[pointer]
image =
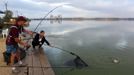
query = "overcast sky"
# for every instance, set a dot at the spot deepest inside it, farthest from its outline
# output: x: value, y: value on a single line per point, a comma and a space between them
x: 71, y: 8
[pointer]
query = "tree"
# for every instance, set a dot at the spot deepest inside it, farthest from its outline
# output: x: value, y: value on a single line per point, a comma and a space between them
x: 8, y: 16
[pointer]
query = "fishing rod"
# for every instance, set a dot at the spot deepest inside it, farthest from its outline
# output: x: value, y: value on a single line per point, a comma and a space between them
x: 46, y: 16
x: 78, y: 61
x: 44, y: 19
x: 41, y: 22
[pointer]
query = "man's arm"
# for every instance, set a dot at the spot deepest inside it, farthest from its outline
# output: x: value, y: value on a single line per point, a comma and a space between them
x: 36, y: 38
x: 20, y: 42
x: 46, y: 41
x: 28, y: 31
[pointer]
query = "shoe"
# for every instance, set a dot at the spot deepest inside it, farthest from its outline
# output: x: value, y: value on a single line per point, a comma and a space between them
x: 23, y: 65
x: 15, y: 71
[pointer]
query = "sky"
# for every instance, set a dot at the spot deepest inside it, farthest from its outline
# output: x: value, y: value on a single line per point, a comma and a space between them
x: 71, y: 8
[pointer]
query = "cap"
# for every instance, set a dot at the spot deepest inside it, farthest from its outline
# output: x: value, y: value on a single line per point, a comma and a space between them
x: 21, y: 18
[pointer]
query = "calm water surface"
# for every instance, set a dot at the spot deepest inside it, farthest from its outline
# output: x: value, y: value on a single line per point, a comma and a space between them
x: 96, y: 42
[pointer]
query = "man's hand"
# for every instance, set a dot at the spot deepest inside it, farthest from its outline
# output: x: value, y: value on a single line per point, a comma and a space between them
x: 51, y: 46
x: 24, y: 35
x: 25, y: 44
x: 28, y: 46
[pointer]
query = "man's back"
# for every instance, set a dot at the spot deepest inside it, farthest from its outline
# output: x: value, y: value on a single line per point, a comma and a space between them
x: 13, y: 33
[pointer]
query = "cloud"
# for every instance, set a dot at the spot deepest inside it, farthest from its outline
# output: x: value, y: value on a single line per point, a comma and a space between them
x: 73, y: 8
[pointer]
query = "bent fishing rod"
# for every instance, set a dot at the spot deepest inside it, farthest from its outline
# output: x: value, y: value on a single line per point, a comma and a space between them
x: 77, y: 57
x: 44, y: 19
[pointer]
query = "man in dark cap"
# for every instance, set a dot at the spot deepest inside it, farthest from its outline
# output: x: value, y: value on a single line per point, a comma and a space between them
x: 13, y: 40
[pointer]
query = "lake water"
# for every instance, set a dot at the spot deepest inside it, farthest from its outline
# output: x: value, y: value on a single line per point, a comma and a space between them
x: 98, y: 43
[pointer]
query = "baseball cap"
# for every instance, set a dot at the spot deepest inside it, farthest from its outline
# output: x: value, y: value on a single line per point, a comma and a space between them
x: 21, y: 18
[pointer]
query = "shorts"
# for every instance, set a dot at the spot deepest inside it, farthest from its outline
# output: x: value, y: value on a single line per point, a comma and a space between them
x: 11, y: 48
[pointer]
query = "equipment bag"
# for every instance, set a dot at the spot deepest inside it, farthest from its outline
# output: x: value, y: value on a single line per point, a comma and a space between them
x: 7, y: 56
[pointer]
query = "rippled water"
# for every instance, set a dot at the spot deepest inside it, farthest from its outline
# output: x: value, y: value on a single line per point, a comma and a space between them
x: 98, y: 43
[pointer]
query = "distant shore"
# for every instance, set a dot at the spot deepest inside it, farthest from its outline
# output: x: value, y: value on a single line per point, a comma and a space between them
x: 82, y: 18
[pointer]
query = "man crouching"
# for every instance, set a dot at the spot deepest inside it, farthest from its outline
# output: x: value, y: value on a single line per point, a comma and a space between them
x: 39, y: 39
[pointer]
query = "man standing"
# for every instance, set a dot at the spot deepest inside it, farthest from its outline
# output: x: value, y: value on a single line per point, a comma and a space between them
x: 39, y: 39
x: 13, y: 40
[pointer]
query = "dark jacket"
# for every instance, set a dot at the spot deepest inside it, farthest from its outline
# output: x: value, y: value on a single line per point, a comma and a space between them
x: 37, y: 42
